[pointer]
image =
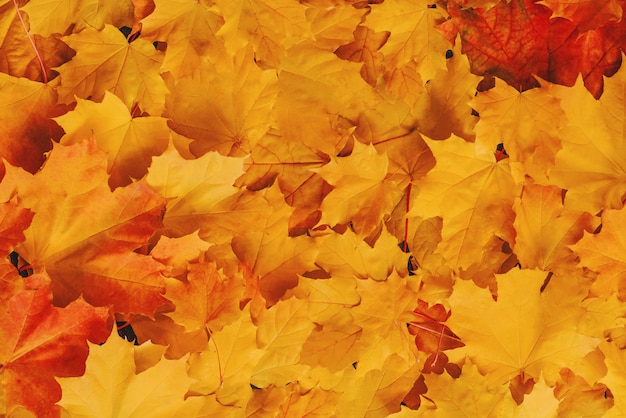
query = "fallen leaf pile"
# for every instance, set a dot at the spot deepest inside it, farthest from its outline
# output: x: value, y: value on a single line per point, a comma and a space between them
x: 312, y: 208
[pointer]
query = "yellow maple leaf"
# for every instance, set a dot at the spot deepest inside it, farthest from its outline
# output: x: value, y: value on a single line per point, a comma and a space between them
x: 107, y: 62
x: 331, y: 26
x: 362, y: 197
x: 527, y: 123
x: 443, y: 108
x: 201, y: 196
x: 281, y: 331
x: 189, y: 28
x: 604, y: 253
x: 327, y: 297
x: 110, y: 387
x: 579, y: 398
x: 472, y: 193
x: 540, y: 403
x: 525, y: 332
x: 379, y: 392
x: 614, y: 379
x: 234, y: 117
x: 271, y: 254
x: 383, y: 313
x: 129, y: 142
x: 544, y: 229
x: 345, y: 255
x: 414, y: 38
x: 269, y: 27
x: 468, y: 397
x: 56, y: 16
x: 591, y: 164
x: 227, y: 364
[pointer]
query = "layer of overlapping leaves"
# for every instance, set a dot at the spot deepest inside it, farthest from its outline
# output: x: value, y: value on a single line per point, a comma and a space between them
x: 313, y: 208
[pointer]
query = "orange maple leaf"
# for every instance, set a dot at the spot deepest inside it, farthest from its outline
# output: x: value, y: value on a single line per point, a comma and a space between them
x: 25, y: 103
x: 84, y: 235
x: 207, y: 300
x: 41, y: 341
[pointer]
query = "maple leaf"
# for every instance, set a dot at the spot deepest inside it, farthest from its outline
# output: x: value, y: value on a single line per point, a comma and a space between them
x: 25, y: 103
x: 507, y: 41
x: 345, y: 255
x: 541, y: 402
x: 327, y: 297
x: 545, y: 230
x: 41, y: 341
x: 111, y: 388
x: 226, y: 366
x: 13, y: 221
x: 176, y: 253
x: 201, y: 196
x: 468, y: 396
x: 164, y: 331
x: 383, y: 316
x: 579, y: 398
x: 472, y: 193
x: 431, y: 335
x: 362, y: 198
x: 414, y: 37
x: 332, y: 346
x: 589, y: 166
x: 57, y: 16
x: 616, y: 364
x: 233, y: 117
x: 603, y: 316
x: 364, y: 49
x: 290, y: 164
x: 376, y: 393
x: 443, y: 108
x: 506, y: 339
x: 106, y: 61
x: 26, y: 54
x: 129, y: 142
x: 602, y: 253
x: 189, y: 28
x: 586, y: 15
x: 527, y: 123
x: 281, y: 332
x: 272, y: 255
x: 331, y: 26
x: 206, y: 300
x: 269, y: 28
x: 84, y: 235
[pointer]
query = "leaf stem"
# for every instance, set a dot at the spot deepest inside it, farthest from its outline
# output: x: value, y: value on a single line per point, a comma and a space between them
x: 406, y: 221
x: 438, y: 346
x: 217, y: 352
x: 32, y: 42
